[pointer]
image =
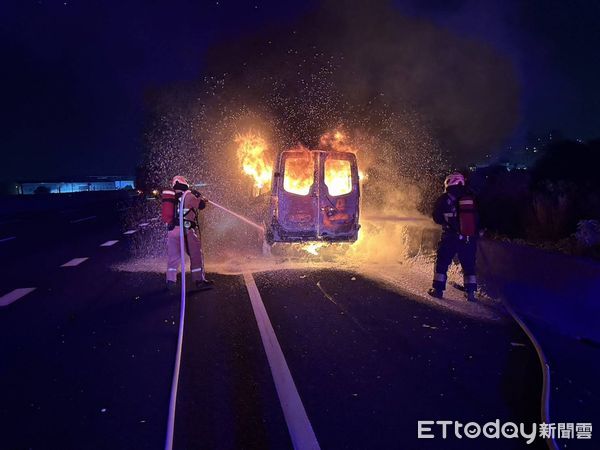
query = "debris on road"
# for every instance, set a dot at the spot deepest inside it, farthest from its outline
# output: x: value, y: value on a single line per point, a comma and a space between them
x: 327, y: 296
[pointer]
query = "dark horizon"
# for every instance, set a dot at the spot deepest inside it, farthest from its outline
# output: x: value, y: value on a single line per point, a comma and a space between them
x: 80, y: 73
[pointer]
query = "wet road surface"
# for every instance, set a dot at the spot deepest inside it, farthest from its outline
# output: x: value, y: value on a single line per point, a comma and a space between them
x: 87, y: 357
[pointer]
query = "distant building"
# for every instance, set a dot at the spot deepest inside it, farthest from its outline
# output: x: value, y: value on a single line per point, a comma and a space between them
x: 83, y: 184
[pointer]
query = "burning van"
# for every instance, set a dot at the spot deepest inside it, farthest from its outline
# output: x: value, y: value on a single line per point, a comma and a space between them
x: 315, y: 196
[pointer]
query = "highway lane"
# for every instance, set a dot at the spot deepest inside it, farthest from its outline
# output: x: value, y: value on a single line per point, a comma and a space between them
x: 227, y: 398
x: 87, y: 357
x: 370, y: 363
x: 36, y: 234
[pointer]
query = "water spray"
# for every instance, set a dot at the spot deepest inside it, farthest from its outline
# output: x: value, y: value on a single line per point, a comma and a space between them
x: 242, y: 218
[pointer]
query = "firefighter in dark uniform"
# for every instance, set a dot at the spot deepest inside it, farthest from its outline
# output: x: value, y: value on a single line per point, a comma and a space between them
x: 455, y: 211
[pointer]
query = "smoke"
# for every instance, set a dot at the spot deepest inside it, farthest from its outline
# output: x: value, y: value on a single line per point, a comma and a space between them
x: 422, y: 93
x: 365, y: 64
x: 413, y: 98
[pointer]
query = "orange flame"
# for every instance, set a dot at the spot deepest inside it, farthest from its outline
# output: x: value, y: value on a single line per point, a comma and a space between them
x: 299, y: 172
x: 299, y: 169
x: 252, y: 154
x: 338, y: 141
x: 338, y: 176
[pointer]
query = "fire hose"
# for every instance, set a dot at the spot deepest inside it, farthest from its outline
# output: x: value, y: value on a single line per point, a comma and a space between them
x: 175, y: 381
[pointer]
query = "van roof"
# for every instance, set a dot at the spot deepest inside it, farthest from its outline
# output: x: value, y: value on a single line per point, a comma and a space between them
x: 316, y: 151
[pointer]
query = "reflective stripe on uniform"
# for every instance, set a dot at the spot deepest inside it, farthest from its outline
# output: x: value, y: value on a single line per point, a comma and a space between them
x: 439, y: 277
x: 466, y: 202
x: 470, y: 279
x: 446, y: 215
x: 197, y: 270
x: 171, y: 270
x: 169, y: 192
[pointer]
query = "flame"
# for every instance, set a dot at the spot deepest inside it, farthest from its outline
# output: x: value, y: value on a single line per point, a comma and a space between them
x: 299, y: 169
x: 299, y: 172
x: 313, y: 248
x: 255, y: 163
x: 337, y: 173
x: 338, y: 176
x: 336, y: 140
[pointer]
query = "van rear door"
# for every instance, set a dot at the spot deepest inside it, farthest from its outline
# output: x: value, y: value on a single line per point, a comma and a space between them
x: 298, y: 208
x: 339, y: 196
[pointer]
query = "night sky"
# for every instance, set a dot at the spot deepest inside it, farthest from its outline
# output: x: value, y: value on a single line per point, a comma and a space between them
x: 75, y: 73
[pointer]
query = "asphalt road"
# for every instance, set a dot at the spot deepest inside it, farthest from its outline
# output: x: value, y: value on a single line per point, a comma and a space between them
x: 87, y: 357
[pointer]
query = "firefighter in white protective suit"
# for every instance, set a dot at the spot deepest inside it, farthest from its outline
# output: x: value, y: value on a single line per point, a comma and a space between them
x: 194, y: 202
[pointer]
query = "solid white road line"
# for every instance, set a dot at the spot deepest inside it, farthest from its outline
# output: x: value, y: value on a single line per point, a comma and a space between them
x: 74, y: 262
x: 14, y: 295
x: 130, y: 232
x: 8, y: 239
x: 83, y: 219
x: 301, y: 431
x: 109, y: 243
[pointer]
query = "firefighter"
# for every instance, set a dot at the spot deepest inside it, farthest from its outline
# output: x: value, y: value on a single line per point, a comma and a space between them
x: 194, y: 202
x: 455, y: 211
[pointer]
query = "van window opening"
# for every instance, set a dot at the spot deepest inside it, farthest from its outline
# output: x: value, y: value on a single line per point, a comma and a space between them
x: 338, y: 176
x: 298, y: 174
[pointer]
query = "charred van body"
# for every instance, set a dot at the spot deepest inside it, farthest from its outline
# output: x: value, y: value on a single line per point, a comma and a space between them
x: 315, y: 197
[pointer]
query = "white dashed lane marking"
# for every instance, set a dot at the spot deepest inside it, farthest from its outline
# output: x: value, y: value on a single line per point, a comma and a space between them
x: 154, y: 219
x: 14, y: 295
x: 7, y: 239
x: 83, y: 219
x: 301, y: 431
x: 109, y: 243
x: 145, y: 224
x: 74, y: 262
x: 130, y: 232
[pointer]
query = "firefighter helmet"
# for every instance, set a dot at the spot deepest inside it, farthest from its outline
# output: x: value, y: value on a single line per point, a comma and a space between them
x: 179, y: 180
x: 454, y: 179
